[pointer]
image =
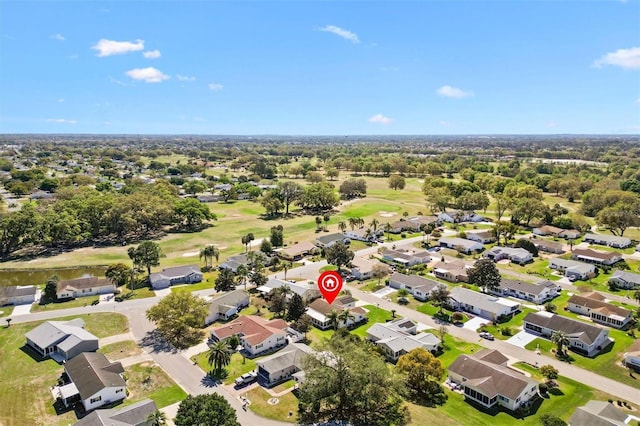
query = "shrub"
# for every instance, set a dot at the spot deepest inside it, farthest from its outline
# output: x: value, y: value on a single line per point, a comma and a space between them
x: 551, y: 420
x: 457, y: 317
x: 550, y: 307
x: 506, y: 331
x: 403, y: 235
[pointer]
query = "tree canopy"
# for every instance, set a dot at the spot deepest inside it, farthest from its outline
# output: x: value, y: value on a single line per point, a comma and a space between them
x: 207, y: 409
x: 484, y: 273
x: 179, y: 318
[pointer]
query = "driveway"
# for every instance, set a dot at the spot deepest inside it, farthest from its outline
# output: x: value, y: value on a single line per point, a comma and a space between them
x: 384, y: 292
x: 107, y: 298
x: 163, y: 293
x: 21, y: 310
x: 522, y: 339
x: 475, y: 323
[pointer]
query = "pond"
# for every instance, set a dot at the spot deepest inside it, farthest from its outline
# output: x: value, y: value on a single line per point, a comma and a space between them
x: 10, y: 277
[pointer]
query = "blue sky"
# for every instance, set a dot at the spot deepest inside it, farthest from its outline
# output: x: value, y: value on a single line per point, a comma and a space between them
x: 320, y: 68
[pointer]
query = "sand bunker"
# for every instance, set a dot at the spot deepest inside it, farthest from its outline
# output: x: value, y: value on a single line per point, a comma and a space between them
x: 386, y: 214
x: 190, y: 253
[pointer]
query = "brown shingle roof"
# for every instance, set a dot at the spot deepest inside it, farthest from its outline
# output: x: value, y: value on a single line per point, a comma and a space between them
x: 92, y: 372
x: 603, y: 308
x: 596, y: 254
x: 80, y: 283
x: 253, y: 329
x: 585, y: 332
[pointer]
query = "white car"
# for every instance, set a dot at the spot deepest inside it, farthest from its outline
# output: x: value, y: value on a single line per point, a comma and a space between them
x: 246, y: 378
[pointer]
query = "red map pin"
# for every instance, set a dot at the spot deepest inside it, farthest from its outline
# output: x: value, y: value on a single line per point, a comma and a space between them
x: 330, y: 284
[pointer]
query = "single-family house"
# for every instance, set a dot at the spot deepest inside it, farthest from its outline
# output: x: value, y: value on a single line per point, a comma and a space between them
x: 539, y: 292
x: 454, y: 271
x: 400, y: 336
x: 226, y: 306
x: 177, y: 275
x: 298, y: 251
x: 307, y: 290
x: 483, y: 236
x: 461, y: 244
x: 482, y: 304
x: 319, y: 311
x: 233, y: 262
x: 17, y: 295
x: 625, y: 279
x: 419, y: 287
x: 363, y: 234
x: 326, y: 241
x: 585, y: 338
x: 593, y: 305
x: 569, y: 234
x: 547, y: 230
x: 600, y: 413
x: 607, y: 240
x: 486, y: 379
x: 362, y: 268
x: 516, y: 255
x: 458, y: 216
x: 61, y: 340
x: 547, y: 246
x: 412, y: 224
x: 632, y: 359
x: 406, y: 257
x: 572, y: 269
x: 93, y: 380
x: 281, y: 366
x: 132, y: 415
x: 596, y: 256
x: 81, y: 287
x: 257, y: 335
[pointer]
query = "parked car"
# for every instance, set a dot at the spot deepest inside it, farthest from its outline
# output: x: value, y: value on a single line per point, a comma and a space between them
x: 246, y: 378
x: 487, y: 336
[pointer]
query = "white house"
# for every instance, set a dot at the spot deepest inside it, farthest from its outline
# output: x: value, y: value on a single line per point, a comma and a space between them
x: 82, y: 287
x: 625, y: 279
x: 632, y: 359
x: 486, y: 379
x: 593, y: 305
x: 596, y: 256
x: 226, y: 306
x: 61, y: 340
x: 177, y: 275
x: 547, y: 230
x: 419, y: 287
x: 131, y: 415
x: 281, y: 366
x: 362, y: 268
x: 363, y: 234
x: 297, y: 251
x: 584, y: 338
x: 461, y: 244
x: 454, y: 271
x: 326, y: 241
x: 319, y: 312
x: 481, y: 304
x: 608, y: 240
x: 572, y: 269
x: 307, y: 290
x: 257, y: 335
x: 516, y: 255
x: 483, y: 236
x: 601, y: 413
x: 94, y: 380
x: 17, y: 295
x: 539, y: 292
x: 400, y: 336
x: 406, y: 257
x: 457, y: 216
x: 547, y: 246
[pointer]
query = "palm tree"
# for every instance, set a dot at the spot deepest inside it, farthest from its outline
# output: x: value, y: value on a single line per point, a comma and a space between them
x: 219, y: 355
x: 157, y: 418
x: 342, y: 226
x: 334, y: 318
x: 367, y: 234
x: 209, y: 252
x: 286, y: 266
x: 326, y: 219
x: 636, y: 295
x: 131, y: 251
x: 374, y: 224
x: 561, y: 340
x: 242, y: 272
x: 345, y: 316
x: 353, y: 221
x: 360, y: 222
x: 387, y: 229
x: 318, y: 222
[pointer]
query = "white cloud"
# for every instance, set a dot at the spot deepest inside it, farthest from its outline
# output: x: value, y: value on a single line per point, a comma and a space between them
x: 148, y: 75
x: 58, y: 36
x: 379, y: 118
x: 111, y: 47
x: 215, y: 87
x: 152, y: 54
x: 552, y: 124
x: 625, y: 58
x: 61, y: 121
x: 453, y: 92
x: 185, y: 78
x: 341, y: 32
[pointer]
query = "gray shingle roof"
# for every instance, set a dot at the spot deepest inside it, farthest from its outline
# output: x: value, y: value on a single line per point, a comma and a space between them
x: 52, y: 332
x: 627, y: 276
x: 292, y: 355
x: 175, y: 272
x: 414, y: 281
x: 131, y: 415
x: 92, y: 372
x: 480, y: 300
x: 17, y: 291
x: 598, y: 413
x: 80, y: 283
x: 586, y: 333
x: 530, y: 288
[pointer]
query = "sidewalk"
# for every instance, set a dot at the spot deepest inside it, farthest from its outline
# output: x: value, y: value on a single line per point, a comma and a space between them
x: 117, y: 338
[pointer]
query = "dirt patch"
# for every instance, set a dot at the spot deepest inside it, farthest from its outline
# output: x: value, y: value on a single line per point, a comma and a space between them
x: 190, y: 253
x: 387, y: 214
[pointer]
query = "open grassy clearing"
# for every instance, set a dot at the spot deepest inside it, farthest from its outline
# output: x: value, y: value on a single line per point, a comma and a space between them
x: 287, y: 403
x: 75, y: 303
x: 29, y: 402
x: 236, y: 368
x: 148, y: 380
x: 5, y: 311
x: 120, y: 350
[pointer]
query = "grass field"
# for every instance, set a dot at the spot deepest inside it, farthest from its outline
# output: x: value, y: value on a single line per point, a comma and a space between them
x: 236, y: 368
x: 29, y: 402
x: 120, y: 350
x: 148, y: 380
x: 287, y: 403
x: 374, y: 315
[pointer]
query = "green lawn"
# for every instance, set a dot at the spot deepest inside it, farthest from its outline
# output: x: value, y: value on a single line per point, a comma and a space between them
x: 139, y: 293
x: 148, y: 380
x: 606, y: 364
x: 514, y: 324
x: 328, y: 268
x: 120, y: 350
x: 374, y: 315
x: 204, y: 285
x: 454, y: 347
x: 236, y: 368
x: 5, y: 311
x: 75, y: 303
x: 29, y: 402
x: 287, y: 403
